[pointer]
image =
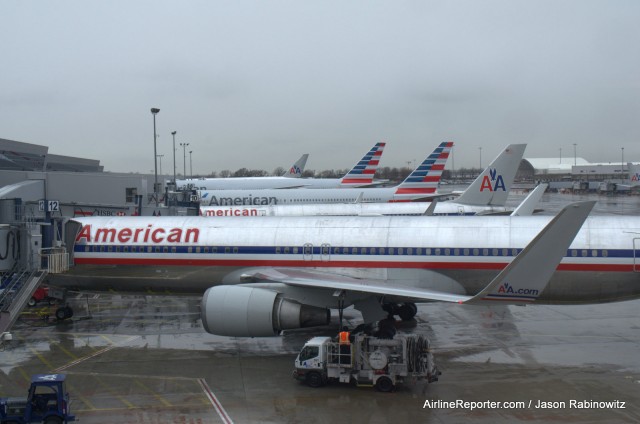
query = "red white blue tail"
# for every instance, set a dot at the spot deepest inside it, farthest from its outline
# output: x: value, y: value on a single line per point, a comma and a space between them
x: 363, y: 172
x: 424, y: 180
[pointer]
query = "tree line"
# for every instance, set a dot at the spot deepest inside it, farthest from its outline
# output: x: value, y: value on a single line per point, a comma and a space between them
x: 392, y: 174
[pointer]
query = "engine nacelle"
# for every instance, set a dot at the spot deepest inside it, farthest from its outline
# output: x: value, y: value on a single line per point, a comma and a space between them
x: 252, y: 312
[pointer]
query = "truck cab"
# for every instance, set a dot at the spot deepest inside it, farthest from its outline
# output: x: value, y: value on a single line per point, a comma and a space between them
x: 47, y: 402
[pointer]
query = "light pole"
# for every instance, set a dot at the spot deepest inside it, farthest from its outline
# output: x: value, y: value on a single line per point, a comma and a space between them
x: 173, y: 133
x: 575, y: 158
x: 160, y: 156
x: 480, y: 148
x: 190, y: 165
x: 622, y: 163
x: 560, y: 149
x: 184, y: 158
x: 154, y: 112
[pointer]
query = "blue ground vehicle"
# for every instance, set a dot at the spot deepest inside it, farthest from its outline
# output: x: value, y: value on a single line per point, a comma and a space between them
x: 47, y: 402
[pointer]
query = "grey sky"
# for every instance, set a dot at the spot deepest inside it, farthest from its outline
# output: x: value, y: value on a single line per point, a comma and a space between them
x: 257, y: 83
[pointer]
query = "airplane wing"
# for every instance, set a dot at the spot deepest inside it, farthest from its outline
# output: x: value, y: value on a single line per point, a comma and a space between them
x: 521, y: 282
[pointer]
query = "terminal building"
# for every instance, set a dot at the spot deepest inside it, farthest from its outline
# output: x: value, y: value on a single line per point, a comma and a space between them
x: 39, y: 193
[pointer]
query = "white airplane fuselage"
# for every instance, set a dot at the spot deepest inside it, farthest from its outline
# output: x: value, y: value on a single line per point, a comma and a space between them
x: 349, y: 209
x: 451, y: 254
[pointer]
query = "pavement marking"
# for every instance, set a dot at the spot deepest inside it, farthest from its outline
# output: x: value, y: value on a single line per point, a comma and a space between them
x: 215, y: 402
x: 156, y: 395
x: 96, y: 353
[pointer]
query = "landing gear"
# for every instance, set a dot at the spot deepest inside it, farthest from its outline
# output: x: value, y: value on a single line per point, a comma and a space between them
x: 406, y: 311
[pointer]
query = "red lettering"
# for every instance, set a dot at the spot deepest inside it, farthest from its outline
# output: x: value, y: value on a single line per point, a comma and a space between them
x: 85, y: 233
x: 146, y: 233
x: 175, y: 235
x: 192, y: 233
x: 124, y: 235
x: 155, y: 233
x: 486, y: 184
x: 108, y: 235
x: 137, y: 233
x: 219, y: 212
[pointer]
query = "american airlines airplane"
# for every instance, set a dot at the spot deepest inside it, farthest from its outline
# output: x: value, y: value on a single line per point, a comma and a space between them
x: 487, y: 194
x: 290, y: 178
x: 361, y: 175
x: 263, y: 275
x: 420, y: 184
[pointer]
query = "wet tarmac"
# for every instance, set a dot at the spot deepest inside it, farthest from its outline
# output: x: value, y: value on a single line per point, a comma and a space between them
x: 146, y: 359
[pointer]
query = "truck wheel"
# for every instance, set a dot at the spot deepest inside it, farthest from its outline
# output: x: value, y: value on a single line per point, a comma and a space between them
x: 53, y: 420
x: 64, y: 312
x: 32, y: 302
x: 384, y: 384
x: 314, y: 379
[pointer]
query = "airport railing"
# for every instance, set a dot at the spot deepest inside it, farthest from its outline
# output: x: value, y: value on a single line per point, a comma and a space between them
x: 55, y: 260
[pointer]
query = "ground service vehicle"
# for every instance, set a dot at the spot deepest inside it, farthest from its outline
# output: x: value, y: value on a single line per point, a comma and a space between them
x: 47, y: 402
x: 366, y: 360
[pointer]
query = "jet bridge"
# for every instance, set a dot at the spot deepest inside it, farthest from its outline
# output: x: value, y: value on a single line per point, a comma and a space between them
x: 24, y: 263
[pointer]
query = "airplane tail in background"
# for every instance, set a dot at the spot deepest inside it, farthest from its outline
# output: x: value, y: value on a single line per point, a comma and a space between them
x: 634, y: 174
x: 425, y: 178
x: 297, y: 168
x: 362, y: 173
x: 491, y: 187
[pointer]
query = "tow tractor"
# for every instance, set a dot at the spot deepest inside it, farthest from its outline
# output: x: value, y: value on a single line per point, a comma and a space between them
x: 366, y: 360
x: 47, y: 402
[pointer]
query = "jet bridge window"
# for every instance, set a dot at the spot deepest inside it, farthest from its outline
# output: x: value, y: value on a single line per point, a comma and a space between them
x: 594, y: 253
x: 574, y: 253
x: 585, y: 253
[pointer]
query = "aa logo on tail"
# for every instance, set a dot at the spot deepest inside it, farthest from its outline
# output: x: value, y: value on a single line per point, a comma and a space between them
x: 295, y: 170
x: 635, y: 177
x: 493, y: 181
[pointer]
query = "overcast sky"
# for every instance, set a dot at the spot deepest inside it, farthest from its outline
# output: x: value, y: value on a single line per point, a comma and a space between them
x: 257, y: 83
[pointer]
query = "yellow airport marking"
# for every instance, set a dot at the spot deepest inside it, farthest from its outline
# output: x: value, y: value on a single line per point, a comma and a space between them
x: 24, y: 375
x: 57, y: 344
x: 112, y: 393
x: 156, y: 395
x: 95, y: 353
x: 42, y: 358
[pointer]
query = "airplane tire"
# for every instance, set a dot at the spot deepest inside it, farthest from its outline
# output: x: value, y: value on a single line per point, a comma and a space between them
x: 407, y: 311
x: 314, y: 379
x: 385, y: 385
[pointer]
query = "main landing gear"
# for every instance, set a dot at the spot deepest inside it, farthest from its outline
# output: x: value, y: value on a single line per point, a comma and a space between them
x: 406, y: 311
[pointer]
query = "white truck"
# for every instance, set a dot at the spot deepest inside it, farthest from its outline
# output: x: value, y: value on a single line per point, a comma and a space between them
x: 366, y: 361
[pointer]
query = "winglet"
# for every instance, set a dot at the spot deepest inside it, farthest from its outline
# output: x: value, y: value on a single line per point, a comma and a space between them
x: 524, y: 279
x: 528, y: 205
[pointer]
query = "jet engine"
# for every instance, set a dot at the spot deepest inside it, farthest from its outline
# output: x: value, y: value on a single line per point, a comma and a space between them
x: 252, y: 312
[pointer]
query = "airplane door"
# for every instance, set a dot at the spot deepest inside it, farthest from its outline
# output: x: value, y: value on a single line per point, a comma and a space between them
x: 325, y: 252
x: 636, y: 254
x: 307, y: 251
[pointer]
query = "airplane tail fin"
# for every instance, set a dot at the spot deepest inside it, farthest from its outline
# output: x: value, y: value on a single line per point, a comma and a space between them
x: 362, y: 173
x: 297, y: 168
x: 425, y: 178
x: 634, y: 174
x: 491, y: 187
